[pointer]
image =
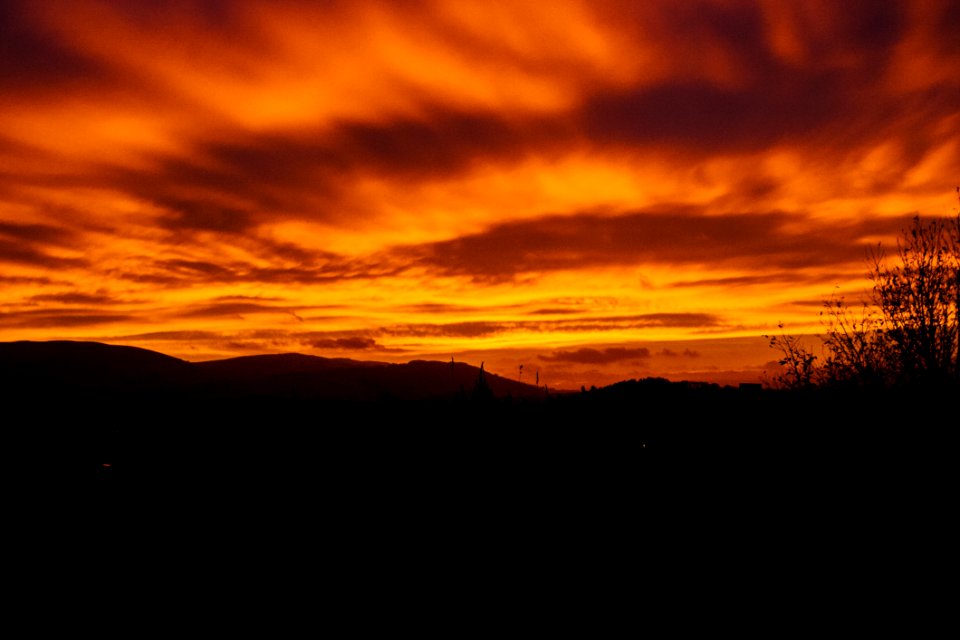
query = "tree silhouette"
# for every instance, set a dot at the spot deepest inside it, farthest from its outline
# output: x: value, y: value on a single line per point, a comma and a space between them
x: 906, y: 334
x: 919, y: 299
x: 482, y: 393
x: 799, y: 364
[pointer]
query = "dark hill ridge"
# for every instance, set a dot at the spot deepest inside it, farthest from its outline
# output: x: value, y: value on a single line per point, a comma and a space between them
x: 88, y: 366
x: 277, y: 364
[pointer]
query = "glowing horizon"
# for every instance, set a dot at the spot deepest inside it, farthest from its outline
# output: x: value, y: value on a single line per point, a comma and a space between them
x: 598, y: 190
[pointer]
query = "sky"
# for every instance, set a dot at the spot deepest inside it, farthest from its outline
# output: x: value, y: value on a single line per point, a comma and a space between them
x: 595, y: 190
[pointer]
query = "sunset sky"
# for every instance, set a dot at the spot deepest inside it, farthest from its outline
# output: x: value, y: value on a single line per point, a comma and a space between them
x: 597, y: 190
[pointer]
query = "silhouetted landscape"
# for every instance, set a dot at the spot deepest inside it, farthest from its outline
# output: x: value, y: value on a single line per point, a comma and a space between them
x: 736, y: 224
x: 131, y: 419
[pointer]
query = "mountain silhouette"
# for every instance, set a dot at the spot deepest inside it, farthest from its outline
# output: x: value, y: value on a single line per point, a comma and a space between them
x: 277, y: 364
x: 90, y: 366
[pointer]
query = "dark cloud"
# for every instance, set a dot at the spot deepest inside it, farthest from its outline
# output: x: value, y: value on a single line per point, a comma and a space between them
x: 221, y: 16
x: 699, y: 321
x: 327, y: 273
x: 28, y: 243
x: 672, y: 319
x: 238, y: 306
x: 352, y: 344
x: 454, y: 329
x: 193, y: 336
x: 227, y: 309
x: 768, y: 99
x: 262, y: 179
x: 24, y: 253
x: 554, y: 311
x: 26, y: 280
x: 679, y: 237
x: 198, y: 215
x: 444, y: 142
x: 670, y: 353
x: 55, y: 318
x: 707, y: 118
x: 242, y: 298
x: 74, y: 298
x: 34, y: 61
x: 195, y: 269
x: 485, y: 328
x: 309, y: 174
x: 262, y: 340
x: 598, y: 356
x: 324, y: 268
x: 436, y: 307
x: 758, y: 279
x: 40, y: 233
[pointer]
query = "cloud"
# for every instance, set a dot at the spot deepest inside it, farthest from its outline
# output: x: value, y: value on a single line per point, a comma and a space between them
x: 784, y: 277
x: 321, y: 268
x: 60, y: 318
x: 24, y: 253
x: 194, y: 344
x: 20, y: 280
x: 73, y: 297
x: 32, y: 61
x: 221, y: 309
x: 437, y: 307
x: 670, y: 353
x: 553, y: 311
x: 244, y: 180
x: 351, y: 344
x: 682, y: 236
x: 441, y: 143
x: 35, y: 233
x: 187, y: 215
x: 186, y: 336
x: 476, y: 329
x: 711, y: 118
x: 453, y: 329
x: 193, y: 269
x: 29, y: 243
x: 751, y: 76
x: 246, y: 298
x: 588, y: 355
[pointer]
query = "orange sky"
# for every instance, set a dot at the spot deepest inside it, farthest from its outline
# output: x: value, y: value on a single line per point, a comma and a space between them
x: 598, y: 190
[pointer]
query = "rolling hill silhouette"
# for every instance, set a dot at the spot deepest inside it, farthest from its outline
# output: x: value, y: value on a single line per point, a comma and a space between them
x: 92, y: 366
x: 88, y: 365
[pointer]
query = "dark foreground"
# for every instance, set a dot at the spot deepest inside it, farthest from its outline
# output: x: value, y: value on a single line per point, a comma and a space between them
x: 584, y: 497
x: 434, y: 442
x: 609, y: 442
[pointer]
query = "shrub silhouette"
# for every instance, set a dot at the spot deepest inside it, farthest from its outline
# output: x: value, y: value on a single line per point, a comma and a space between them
x: 906, y: 334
